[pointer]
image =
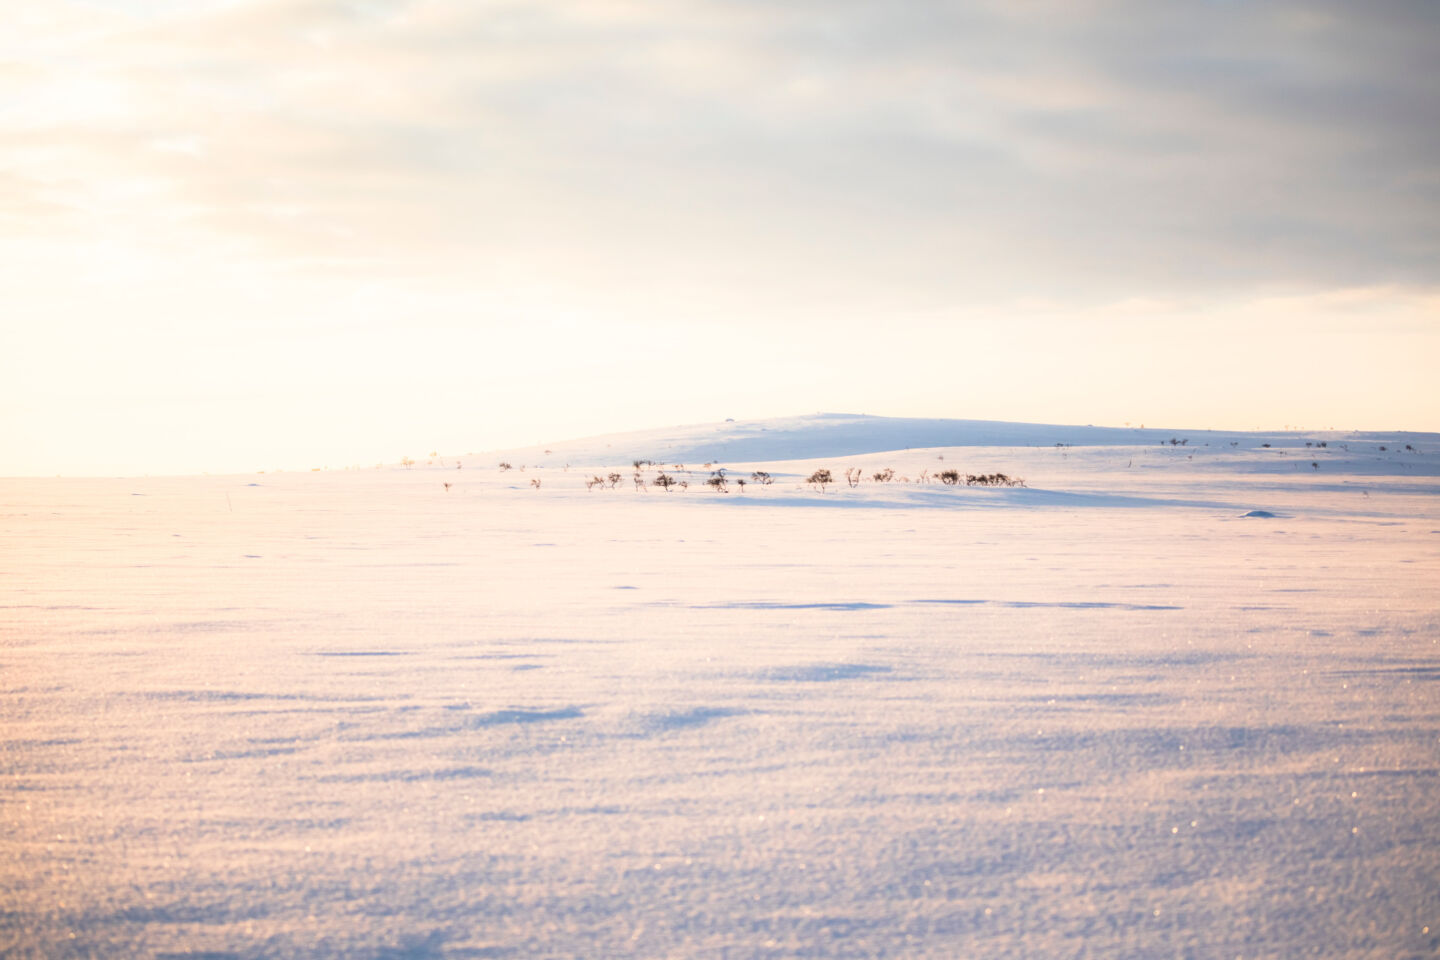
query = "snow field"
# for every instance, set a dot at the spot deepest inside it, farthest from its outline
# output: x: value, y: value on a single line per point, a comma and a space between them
x: 355, y: 714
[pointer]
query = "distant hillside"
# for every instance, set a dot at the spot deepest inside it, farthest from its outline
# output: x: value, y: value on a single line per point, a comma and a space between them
x: 843, y: 434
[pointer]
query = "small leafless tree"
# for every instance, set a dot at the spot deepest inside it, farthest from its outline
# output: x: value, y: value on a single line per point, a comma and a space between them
x: 762, y: 478
x: 664, y: 481
x: 819, y: 478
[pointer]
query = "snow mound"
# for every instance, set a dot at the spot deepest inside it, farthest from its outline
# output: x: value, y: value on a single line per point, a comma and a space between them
x: 825, y: 435
x: 843, y: 435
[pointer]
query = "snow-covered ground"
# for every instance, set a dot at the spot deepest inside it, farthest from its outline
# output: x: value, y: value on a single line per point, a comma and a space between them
x: 364, y: 714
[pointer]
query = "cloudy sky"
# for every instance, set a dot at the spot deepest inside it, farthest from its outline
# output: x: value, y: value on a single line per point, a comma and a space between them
x: 289, y: 233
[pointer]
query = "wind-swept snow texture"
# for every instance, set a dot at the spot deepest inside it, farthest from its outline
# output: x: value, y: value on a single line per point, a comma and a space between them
x: 364, y: 715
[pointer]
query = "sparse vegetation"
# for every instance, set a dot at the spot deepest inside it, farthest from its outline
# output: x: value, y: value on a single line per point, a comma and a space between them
x: 762, y: 478
x: 504, y: 466
x: 819, y: 478
x: 950, y: 477
x: 717, y: 482
x: 884, y: 476
x: 664, y: 481
x: 992, y: 480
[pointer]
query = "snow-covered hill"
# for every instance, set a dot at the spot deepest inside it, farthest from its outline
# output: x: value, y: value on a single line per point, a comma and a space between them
x: 822, y: 435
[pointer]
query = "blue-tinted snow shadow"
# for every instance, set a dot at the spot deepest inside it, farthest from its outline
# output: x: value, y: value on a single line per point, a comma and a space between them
x: 970, y: 498
x: 1060, y: 604
x: 409, y: 776
x: 1178, y: 658
x: 776, y: 605
x: 239, y: 696
x: 500, y: 717
x: 825, y: 672
x: 464, y: 722
x: 1172, y: 747
x: 687, y: 719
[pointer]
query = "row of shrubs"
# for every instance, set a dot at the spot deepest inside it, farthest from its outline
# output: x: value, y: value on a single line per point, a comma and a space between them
x: 820, y: 478
x: 720, y: 482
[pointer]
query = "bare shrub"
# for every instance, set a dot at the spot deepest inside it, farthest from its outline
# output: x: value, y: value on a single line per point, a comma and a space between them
x: 992, y: 480
x: 950, y: 477
x: 664, y: 481
x: 717, y: 482
x: 884, y: 476
x: 762, y: 478
x: 614, y: 479
x: 819, y: 478
x: 504, y: 466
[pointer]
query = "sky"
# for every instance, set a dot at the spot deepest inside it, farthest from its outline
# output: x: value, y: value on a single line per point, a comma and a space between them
x: 261, y: 234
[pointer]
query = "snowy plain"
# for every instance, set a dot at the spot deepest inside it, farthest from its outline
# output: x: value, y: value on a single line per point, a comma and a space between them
x: 366, y: 714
